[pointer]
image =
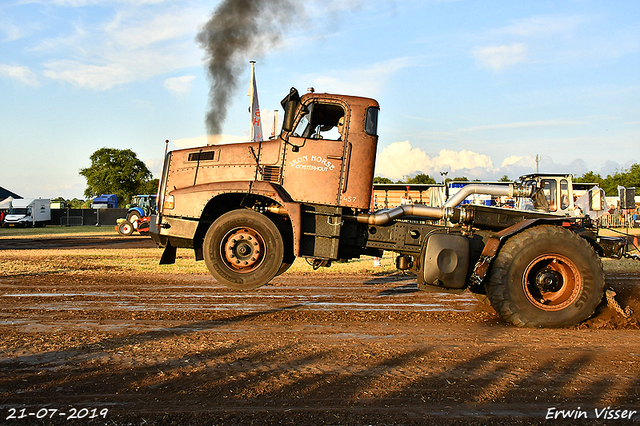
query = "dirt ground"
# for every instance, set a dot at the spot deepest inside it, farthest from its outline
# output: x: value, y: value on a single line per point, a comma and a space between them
x: 309, y: 349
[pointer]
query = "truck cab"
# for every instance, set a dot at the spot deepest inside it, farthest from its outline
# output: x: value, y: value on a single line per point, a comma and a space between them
x: 554, y: 195
x: 310, y: 163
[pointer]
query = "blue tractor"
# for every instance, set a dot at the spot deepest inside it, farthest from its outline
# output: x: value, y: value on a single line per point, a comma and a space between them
x: 142, y: 207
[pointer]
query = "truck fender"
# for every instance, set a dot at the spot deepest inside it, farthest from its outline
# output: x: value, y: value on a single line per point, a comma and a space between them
x: 493, y: 244
x: 265, y: 189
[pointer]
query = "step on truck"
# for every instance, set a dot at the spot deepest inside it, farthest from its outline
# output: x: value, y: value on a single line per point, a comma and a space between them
x: 249, y: 209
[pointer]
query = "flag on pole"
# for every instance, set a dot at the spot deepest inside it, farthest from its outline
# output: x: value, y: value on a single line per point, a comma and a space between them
x: 256, y: 123
x: 275, y: 123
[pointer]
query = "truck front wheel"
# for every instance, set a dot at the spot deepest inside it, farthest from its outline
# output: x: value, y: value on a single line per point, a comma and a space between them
x: 546, y: 276
x: 243, y: 249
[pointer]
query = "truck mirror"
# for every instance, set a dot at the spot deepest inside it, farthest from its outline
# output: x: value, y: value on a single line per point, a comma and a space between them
x: 289, y: 115
x: 290, y: 104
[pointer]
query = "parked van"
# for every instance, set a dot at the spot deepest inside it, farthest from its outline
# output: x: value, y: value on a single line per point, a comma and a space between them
x: 29, y: 212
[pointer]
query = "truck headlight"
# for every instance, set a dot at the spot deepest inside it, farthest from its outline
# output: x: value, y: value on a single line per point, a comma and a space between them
x: 169, y: 202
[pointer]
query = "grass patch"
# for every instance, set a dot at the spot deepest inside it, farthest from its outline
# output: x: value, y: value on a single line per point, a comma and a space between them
x: 57, y: 230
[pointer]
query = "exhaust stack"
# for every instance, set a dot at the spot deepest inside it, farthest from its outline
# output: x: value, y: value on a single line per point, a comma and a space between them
x: 449, y: 210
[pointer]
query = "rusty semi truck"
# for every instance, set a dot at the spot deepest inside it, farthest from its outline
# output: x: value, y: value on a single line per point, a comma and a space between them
x: 249, y: 209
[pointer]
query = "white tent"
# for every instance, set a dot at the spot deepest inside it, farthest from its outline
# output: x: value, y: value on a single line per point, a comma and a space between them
x: 6, y: 203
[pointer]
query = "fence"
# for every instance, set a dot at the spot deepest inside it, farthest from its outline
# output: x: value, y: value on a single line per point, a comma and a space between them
x: 71, y: 221
x: 86, y: 217
x: 616, y: 220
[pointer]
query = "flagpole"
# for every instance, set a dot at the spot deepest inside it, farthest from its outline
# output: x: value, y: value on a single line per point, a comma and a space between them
x: 251, y: 94
x: 275, y: 123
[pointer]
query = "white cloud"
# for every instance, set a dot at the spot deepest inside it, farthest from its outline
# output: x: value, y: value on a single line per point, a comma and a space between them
x: 179, y: 85
x: 361, y: 81
x: 80, y: 3
x: 22, y: 74
x: 99, y: 77
x: 132, y: 31
x: 511, y: 160
x: 500, y: 57
x: 400, y: 159
x: 543, y: 25
x: 115, y: 68
x: 130, y: 47
x: 13, y: 32
x: 462, y: 160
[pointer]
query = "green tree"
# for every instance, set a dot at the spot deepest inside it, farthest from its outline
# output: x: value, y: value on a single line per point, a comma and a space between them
x: 379, y: 179
x: 150, y: 187
x: 627, y: 178
x: 504, y: 178
x: 76, y: 204
x: 421, y: 179
x: 589, y: 177
x: 115, y: 171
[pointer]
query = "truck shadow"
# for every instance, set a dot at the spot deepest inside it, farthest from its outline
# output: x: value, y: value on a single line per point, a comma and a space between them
x: 201, y: 367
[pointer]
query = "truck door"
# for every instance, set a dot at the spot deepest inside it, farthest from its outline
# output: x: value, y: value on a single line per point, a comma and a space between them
x: 315, y: 152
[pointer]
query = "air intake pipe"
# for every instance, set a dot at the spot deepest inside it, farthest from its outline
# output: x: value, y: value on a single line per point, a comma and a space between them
x: 448, y: 211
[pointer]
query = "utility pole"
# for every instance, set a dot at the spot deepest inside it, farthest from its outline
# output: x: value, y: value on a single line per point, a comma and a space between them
x: 537, y: 164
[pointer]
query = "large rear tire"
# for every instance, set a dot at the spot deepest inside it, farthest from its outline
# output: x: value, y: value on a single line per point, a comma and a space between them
x: 546, y: 276
x: 243, y: 249
x: 133, y: 217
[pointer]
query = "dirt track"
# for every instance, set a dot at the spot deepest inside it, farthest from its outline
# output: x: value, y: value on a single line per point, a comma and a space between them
x: 307, y: 350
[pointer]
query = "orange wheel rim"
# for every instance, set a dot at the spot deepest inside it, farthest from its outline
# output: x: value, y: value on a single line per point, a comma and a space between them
x: 552, y: 282
x: 242, y: 249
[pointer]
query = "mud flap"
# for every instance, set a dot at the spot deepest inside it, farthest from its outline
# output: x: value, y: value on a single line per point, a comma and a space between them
x: 169, y: 255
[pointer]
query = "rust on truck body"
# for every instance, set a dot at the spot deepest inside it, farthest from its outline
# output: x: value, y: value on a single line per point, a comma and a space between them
x: 249, y: 209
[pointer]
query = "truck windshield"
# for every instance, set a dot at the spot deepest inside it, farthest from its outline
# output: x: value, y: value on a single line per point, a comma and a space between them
x: 18, y: 210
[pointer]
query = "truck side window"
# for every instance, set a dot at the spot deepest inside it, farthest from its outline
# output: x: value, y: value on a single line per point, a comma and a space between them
x: 321, y: 122
x: 564, y: 194
x: 549, y: 188
x: 371, y: 125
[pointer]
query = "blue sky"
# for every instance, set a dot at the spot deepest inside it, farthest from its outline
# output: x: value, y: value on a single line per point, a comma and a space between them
x: 475, y: 88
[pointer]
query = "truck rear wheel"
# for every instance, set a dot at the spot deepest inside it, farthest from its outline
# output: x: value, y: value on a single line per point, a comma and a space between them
x: 546, y: 276
x: 243, y: 249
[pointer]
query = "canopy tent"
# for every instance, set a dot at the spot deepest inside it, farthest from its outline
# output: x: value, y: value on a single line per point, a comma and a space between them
x: 6, y: 203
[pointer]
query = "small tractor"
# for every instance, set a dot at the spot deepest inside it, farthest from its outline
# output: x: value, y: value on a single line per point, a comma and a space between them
x: 138, y: 216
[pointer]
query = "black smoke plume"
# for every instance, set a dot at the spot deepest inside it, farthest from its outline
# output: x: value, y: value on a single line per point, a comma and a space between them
x: 237, y: 30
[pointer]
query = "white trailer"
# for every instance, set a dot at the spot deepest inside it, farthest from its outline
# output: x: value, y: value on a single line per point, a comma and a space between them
x: 28, y: 212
